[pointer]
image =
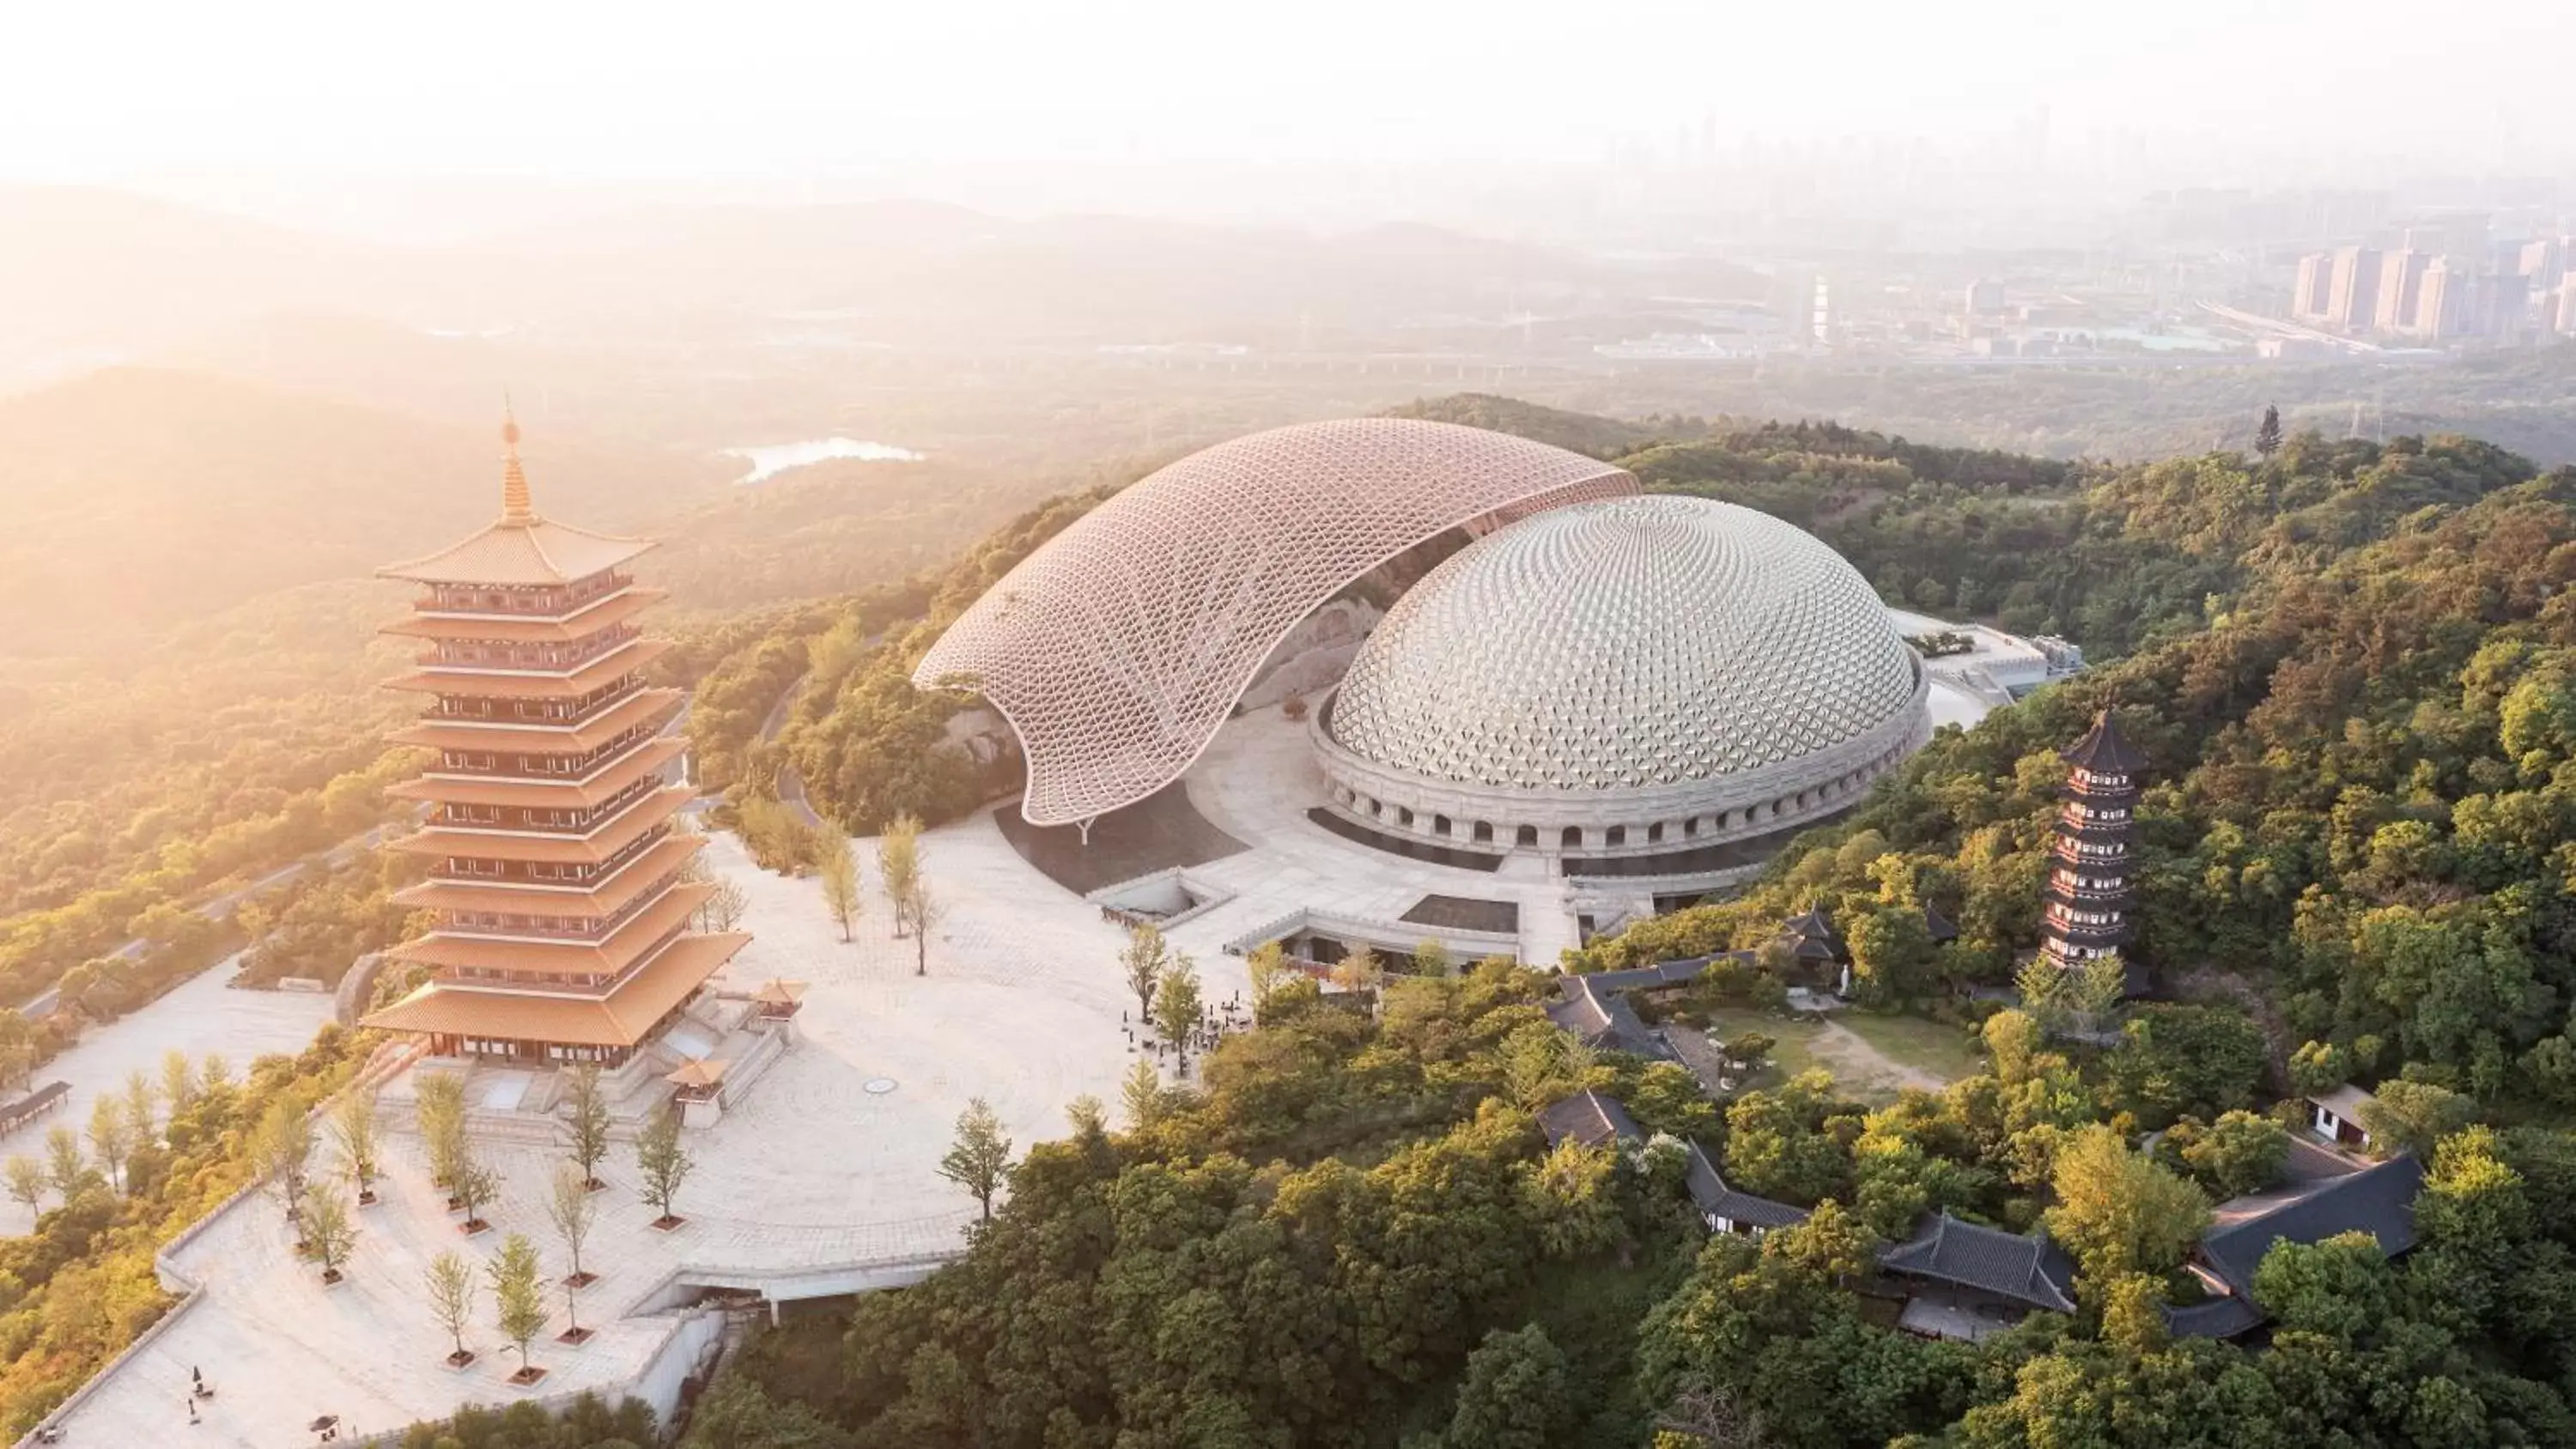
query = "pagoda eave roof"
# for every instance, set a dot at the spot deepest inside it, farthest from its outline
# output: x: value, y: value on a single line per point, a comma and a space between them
x: 644, y: 707
x: 599, y: 845
x: 610, y: 957
x: 610, y: 610
x: 500, y: 684
x: 534, y: 553
x: 648, y: 756
x: 658, y: 860
x: 618, y: 1018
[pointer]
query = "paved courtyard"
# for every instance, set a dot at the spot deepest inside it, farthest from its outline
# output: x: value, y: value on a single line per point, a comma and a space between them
x: 197, y: 1016
x: 809, y: 1176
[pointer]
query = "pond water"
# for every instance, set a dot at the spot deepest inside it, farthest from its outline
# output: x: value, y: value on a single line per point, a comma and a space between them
x: 773, y: 459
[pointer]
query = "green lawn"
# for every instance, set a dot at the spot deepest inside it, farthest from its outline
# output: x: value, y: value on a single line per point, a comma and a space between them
x: 1871, y: 1057
x: 1927, y: 1046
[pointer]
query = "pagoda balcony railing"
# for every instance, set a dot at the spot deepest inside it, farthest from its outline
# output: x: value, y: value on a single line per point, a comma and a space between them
x: 2106, y: 852
x: 497, y: 654
x: 469, y: 870
x: 573, y: 823
x: 2059, y: 918
x: 539, y: 600
x: 591, y: 929
x: 570, y: 983
x: 483, y: 708
x: 2077, y: 815
x: 514, y: 765
x: 2109, y: 892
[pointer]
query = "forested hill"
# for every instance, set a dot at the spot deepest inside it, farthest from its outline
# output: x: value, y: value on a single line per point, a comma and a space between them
x: 2353, y: 668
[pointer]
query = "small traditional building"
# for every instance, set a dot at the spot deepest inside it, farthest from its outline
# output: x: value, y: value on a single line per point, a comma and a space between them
x: 2091, y: 896
x: 1590, y: 1118
x: 2336, y: 1116
x: 558, y: 906
x: 2327, y: 1195
x: 1967, y: 1282
x: 1726, y: 1209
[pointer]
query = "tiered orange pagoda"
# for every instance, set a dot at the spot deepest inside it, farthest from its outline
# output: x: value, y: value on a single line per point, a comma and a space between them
x: 560, y: 922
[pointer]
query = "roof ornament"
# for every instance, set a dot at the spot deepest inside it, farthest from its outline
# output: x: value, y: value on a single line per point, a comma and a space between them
x: 517, y: 507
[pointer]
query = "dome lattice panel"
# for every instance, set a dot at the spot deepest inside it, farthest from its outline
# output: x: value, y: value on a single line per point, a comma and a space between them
x: 1635, y: 642
x: 1118, y: 648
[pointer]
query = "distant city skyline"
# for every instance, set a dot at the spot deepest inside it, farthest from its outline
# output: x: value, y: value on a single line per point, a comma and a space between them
x: 118, y: 92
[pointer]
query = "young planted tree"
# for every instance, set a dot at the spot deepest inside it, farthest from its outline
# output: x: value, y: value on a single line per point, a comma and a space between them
x: 572, y: 1210
x: 26, y: 1181
x: 474, y: 1185
x: 353, y: 1134
x: 2043, y: 989
x: 587, y: 1102
x: 327, y: 1232
x: 279, y: 1148
x: 1143, y: 959
x: 838, y: 869
x: 926, y: 913
x: 214, y: 1074
x: 65, y: 1167
x: 980, y: 1156
x: 664, y: 1164
x: 110, y: 1138
x: 2099, y: 986
x: 519, y: 1303
x: 451, y: 1301
x: 1176, y: 1006
x: 899, y: 865
x: 438, y: 1106
x: 725, y: 905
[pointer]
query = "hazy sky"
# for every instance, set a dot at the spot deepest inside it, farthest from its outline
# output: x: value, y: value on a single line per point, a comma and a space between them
x: 109, y: 89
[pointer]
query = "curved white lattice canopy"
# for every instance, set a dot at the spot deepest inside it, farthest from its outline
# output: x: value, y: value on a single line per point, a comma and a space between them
x: 1630, y: 643
x: 1118, y: 648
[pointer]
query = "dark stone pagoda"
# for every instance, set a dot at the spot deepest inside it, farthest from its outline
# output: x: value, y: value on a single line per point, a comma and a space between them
x: 2091, y: 898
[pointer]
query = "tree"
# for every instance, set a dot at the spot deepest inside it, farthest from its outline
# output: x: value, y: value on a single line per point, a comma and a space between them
x: 2241, y: 1152
x: 1359, y: 971
x: 438, y: 1107
x: 1533, y: 1066
x: 473, y: 1185
x: 838, y: 870
x: 280, y: 1146
x: 353, y: 1135
x: 451, y: 1300
x: 327, y: 1232
x: 1143, y: 959
x: 111, y: 1138
x: 65, y: 1168
x: 2412, y: 1116
x: 1176, y: 1006
x: 980, y: 1156
x: 1430, y: 958
x: 899, y: 864
x: 572, y: 1209
x: 1514, y: 1396
x: 1088, y: 1116
x: 2100, y: 985
x: 725, y: 905
x: 519, y: 1304
x: 2267, y: 436
x: 1891, y: 953
x: 2043, y: 989
x: 214, y: 1074
x: 26, y: 1181
x: 1141, y: 1094
x: 926, y: 912
x: 664, y: 1164
x: 2119, y: 1212
x: 178, y: 1081
x: 1267, y: 966
x: 142, y: 1119
x: 587, y: 1111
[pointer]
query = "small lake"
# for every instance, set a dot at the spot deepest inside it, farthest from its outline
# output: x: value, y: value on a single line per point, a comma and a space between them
x: 776, y: 458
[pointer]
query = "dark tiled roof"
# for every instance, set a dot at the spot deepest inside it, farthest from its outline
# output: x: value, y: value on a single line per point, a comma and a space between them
x: 2104, y: 749
x: 1811, y: 937
x: 1938, y: 926
x: 1715, y: 1198
x: 2378, y: 1200
x: 1602, y: 1018
x: 2215, y: 1318
x: 2031, y: 1268
x: 1589, y: 1118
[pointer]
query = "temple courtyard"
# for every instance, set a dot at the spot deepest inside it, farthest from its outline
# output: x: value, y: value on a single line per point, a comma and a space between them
x: 820, y: 1178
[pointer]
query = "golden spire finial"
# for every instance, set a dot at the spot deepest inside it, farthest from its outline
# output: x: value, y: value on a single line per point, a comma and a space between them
x: 516, y: 505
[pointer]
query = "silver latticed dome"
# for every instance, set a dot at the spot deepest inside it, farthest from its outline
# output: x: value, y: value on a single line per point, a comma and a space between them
x: 1669, y: 662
